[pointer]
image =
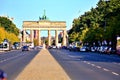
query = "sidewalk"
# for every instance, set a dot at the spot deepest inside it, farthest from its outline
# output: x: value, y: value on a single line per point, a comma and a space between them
x: 43, y: 67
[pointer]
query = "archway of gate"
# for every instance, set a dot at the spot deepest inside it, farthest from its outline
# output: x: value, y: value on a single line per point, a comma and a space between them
x: 35, y: 28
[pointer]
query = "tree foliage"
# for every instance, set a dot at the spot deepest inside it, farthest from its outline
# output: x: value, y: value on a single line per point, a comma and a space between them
x: 102, y: 23
x: 9, y: 25
x: 6, y: 35
x: 36, y: 42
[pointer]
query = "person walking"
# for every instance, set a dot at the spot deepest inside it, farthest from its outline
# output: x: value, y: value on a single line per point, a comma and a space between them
x: 3, y: 75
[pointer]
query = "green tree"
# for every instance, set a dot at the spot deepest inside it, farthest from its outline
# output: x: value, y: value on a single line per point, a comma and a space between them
x: 100, y: 23
x: 73, y: 37
x: 36, y: 42
x: 9, y: 25
x: 2, y: 34
x: 6, y: 35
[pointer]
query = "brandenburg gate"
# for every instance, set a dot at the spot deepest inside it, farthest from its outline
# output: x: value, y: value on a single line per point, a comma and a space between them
x: 36, y: 27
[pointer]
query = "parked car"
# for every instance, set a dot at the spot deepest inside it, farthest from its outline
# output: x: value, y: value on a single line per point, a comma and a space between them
x: 103, y: 49
x: 25, y: 48
x: 94, y: 48
x: 106, y: 49
x: 49, y: 47
x: 84, y: 48
x: 54, y: 47
x: 74, y: 49
x: 64, y: 47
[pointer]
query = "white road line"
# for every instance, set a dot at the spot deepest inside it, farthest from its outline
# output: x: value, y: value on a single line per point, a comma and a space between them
x: 71, y: 56
x: 85, y: 61
x: 105, y: 69
x: 98, y: 67
x: 93, y: 64
x: 88, y: 63
x: 11, y: 58
x: 102, y: 68
x: 115, y: 73
x: 118, y: 63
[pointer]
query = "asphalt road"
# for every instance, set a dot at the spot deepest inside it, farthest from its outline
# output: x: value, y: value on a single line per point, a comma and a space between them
x: 13, y: 62
x: 87, y: 65
x: 78, y: 65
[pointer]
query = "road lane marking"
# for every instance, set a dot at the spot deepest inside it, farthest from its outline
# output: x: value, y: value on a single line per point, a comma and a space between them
x: 105, y: 69
x: 93, y: 64
x: 98, y: 67
x: 101, y: 67
x: 88, y: 63
x: 116, y: 63
x: 115, y: 73
x: 11, y: 58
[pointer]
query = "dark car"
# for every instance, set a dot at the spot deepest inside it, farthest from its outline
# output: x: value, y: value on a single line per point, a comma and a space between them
x: 74, y: 49
x: 25, y: 48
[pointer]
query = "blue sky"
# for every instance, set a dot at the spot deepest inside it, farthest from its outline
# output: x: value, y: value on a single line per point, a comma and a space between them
x: 56, y: 10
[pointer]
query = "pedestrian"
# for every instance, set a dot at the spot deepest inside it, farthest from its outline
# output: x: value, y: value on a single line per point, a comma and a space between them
x: 3, y: 75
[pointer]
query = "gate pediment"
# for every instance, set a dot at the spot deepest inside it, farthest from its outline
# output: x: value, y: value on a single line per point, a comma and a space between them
x: 43, y: 24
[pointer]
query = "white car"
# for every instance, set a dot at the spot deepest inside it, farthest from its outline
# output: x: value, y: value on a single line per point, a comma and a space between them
x: 83, y: 48
x: 38, y: 47
x: 54, y: 47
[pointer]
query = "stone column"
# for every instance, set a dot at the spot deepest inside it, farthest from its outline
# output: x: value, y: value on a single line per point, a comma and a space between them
x: 24, y: 35
x: 56, y: 37
x: 64, y: 37
x: 36, y: 34
x: 32, y: 35
x: 39, y: 37
x: 49, y: 38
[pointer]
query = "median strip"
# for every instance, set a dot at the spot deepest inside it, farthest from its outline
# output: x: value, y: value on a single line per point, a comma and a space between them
x: 43, y: 67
